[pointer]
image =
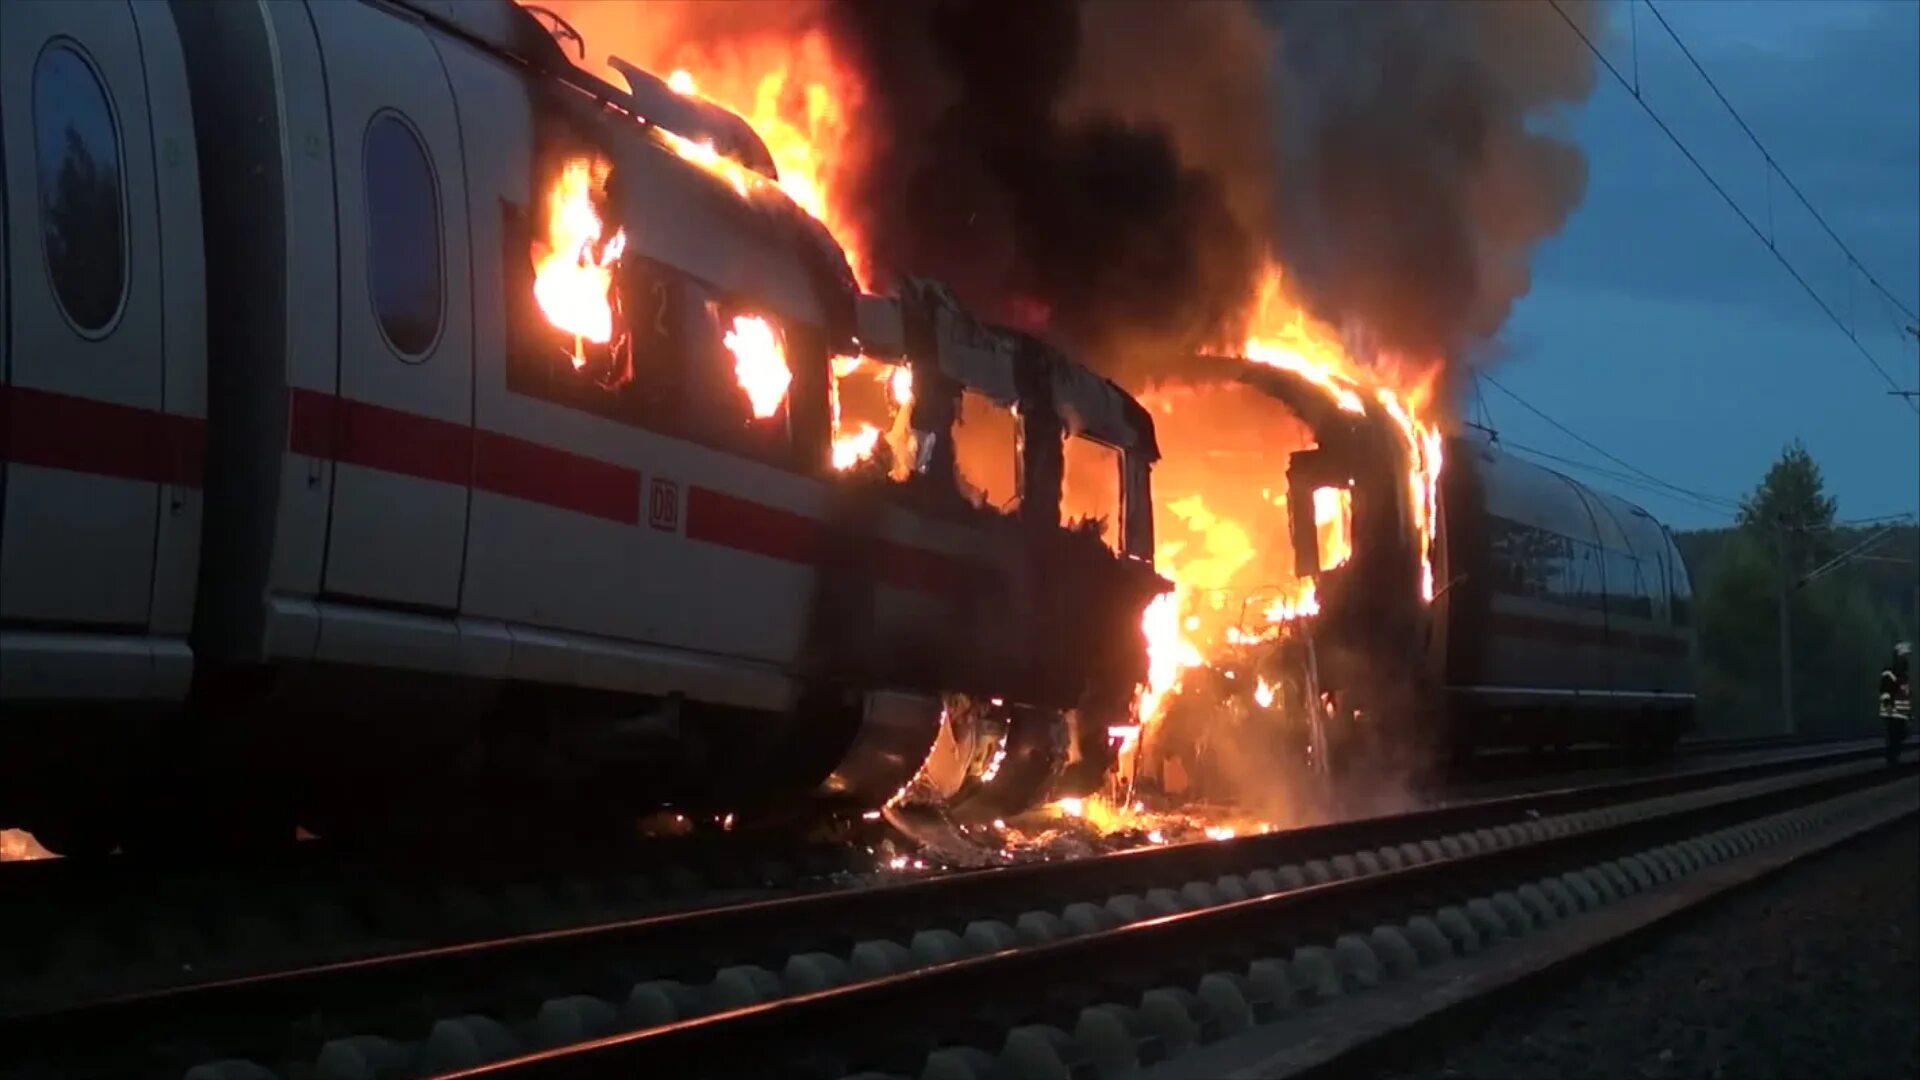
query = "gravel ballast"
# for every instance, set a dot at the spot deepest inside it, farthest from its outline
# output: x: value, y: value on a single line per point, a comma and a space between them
x: 1815, y: 973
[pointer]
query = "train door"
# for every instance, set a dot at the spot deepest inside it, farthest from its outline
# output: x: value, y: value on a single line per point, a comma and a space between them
x: 100, y: 452
x: 404, y: 421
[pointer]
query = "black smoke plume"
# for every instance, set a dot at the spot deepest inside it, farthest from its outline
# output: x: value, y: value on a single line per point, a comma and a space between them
x: 1115, y: 173
x: 1421, y: 159
x: 1044, y: 192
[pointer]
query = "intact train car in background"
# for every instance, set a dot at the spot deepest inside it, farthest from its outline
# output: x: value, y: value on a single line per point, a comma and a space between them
x: 1566, y: 614
x: 311, y: 513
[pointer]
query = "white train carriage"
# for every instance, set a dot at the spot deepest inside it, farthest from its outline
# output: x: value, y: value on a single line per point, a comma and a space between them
x: 102, y: 390
x: 434, y: 552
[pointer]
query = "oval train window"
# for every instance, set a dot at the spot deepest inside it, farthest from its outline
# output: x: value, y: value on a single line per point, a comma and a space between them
x: 403, y: 236
x: 82, y: 213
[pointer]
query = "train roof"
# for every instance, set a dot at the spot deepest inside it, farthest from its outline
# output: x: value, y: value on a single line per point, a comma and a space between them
x: 1530, y: 493
x: 516, y: 32
x: 1007, y: 365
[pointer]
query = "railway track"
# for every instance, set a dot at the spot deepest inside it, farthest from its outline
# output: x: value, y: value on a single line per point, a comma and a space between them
x: 88, y: 928
x: 85, y: 929
x: 424, y: 1011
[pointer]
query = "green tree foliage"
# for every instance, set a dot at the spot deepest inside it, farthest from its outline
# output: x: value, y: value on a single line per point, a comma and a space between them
x: 1844, y: 623
x: 1791, y: 506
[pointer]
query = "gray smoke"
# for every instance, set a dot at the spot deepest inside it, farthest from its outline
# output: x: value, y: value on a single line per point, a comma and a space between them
x: 1423, y: 154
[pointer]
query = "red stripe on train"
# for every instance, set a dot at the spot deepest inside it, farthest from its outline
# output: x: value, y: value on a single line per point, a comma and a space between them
x: 61, y: 431
x: 730, y: 521
x: 526, y: 470
x: 357, y: 433
x: 394, y: 441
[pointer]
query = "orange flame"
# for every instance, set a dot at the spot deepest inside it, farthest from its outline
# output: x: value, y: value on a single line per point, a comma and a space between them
x: 791, y: 88
x: 1333, y: 521
x: 855, y: 440
x: 759, y: 363
x: 1184, y: 628
x: 573, y: 269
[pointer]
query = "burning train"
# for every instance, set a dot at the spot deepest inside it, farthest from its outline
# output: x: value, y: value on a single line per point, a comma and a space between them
x: 1557, y: 615
x: 397, y: 416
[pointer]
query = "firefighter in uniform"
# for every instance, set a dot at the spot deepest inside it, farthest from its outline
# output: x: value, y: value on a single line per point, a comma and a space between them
x: 1896, y: 699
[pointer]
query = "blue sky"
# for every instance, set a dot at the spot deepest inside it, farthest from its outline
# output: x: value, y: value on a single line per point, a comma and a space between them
x: 1662, y: 330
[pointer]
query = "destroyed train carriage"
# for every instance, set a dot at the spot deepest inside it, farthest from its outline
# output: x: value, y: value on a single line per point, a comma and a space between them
x: 310, y: 517
x: 1558, y: 615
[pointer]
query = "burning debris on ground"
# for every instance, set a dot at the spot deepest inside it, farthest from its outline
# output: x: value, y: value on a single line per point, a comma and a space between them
x: 1067, y: 829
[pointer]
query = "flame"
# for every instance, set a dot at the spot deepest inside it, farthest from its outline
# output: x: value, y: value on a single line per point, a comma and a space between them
x: 1333, y: 521
x: 791, y: 88
x: 855, y: 440
x: 1211, y: 548
x: 1106, y: 816
x: 573, y: 268
x: 851, y: 449
x: 744, y: 181
x: 17, y: 845
x: 759, y: 363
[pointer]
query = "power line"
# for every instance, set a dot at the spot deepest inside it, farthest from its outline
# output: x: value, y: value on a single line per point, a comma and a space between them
x: 1774, y: 164
x: 1626, y: 479
x: 1643, y: 474
x: 1727, y: 198
x: 1640, y: 487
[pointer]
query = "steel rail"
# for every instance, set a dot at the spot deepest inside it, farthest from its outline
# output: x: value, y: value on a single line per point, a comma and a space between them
x: 254, y: 1016
x: 890, y: 1023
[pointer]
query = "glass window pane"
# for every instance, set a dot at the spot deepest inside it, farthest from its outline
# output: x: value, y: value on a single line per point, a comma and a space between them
x: 77, y: 146
x: 403, y: 236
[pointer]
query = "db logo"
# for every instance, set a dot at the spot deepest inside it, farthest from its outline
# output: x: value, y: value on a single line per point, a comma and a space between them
x: 663, y: 505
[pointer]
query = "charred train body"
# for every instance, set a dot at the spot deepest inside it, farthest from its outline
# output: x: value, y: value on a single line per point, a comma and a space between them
x: 1531, y: 612
x: 311, y: 507
x: 1560, y: 615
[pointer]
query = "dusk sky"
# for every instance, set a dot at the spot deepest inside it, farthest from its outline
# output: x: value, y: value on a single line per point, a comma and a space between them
x: 1661, y: 329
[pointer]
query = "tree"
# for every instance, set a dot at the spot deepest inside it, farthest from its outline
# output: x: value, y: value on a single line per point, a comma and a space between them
x: 1791, y: 505
x: 1841, y: 626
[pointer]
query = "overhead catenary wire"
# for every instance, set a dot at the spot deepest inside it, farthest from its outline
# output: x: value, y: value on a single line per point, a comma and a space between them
x: 1725, y: 196
x: 1643, y: 475
x: 1774, y: 164
x: 1714, y: 509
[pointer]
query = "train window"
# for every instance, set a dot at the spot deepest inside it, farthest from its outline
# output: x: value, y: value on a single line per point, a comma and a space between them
x: 634, y: 376
x: 1680, y: 589
x: 403, y: 236
x: 82, y: 202
x: 1526, y: 561
x: 1653, y: 570
x: 741, y: 365
x: 1091, y: 487
x: 986, y: 449
x: 1627, y: 587
x: 1583, y: 586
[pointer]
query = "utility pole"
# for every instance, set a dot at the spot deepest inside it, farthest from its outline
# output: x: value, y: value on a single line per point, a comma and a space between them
x: 1790, y: 586
x: 1913, y: 657
x: 1786, y: 630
